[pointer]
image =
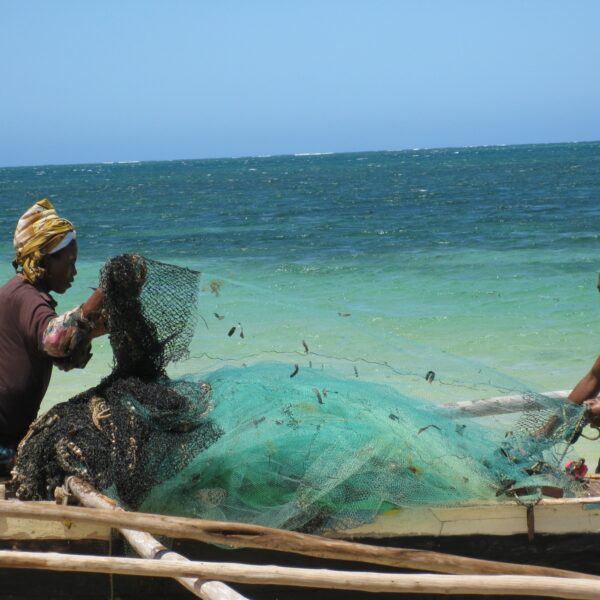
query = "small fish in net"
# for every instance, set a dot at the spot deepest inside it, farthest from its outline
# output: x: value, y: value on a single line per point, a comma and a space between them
x: 271, y: 443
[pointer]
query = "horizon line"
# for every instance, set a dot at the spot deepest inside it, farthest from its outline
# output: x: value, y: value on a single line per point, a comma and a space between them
x: 294, y: 154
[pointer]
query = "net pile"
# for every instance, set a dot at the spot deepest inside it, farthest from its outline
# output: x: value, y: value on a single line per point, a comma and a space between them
x: 272, y: 444
x: 137, y: 425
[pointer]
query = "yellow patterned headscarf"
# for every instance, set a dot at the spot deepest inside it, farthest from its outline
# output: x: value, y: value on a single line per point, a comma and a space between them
x: 40, y: 231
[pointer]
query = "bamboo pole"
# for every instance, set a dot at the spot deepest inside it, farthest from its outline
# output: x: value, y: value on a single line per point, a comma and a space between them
x: 148, y: 547
x: 582, y: 589
x: 254, y: 536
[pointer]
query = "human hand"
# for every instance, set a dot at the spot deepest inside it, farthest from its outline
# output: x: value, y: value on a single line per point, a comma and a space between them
x: 593, y: 411
x: 92, y: 311
x: 98, y: 327
x: 94, y: 303
x: 593, y: 406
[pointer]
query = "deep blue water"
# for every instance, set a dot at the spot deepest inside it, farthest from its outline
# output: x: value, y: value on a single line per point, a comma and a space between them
x: 318, y: 209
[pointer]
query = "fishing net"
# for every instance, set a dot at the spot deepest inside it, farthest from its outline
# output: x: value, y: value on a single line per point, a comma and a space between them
x: 278, y: 444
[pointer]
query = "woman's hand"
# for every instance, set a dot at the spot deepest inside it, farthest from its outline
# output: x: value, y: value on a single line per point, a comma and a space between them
x: 92, y: 311
x: 94, y: 303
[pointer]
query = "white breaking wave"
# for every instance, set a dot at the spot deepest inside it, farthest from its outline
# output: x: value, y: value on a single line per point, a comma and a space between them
x: 313, y: 153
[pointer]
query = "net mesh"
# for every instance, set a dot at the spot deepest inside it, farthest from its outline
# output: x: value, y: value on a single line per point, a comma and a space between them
x: 276, y: 444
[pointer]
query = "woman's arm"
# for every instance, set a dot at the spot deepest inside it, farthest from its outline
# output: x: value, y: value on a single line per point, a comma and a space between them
x: 67, y: 338
x: 589, y: 386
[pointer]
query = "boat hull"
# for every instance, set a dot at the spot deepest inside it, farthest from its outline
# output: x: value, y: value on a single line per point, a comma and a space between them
x: 554, y: 533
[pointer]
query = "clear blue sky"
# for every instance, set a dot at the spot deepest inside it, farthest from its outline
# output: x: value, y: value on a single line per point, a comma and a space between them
x: 86, y: 81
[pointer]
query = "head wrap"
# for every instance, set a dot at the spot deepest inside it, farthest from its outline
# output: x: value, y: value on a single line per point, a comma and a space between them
x: 40, y: 231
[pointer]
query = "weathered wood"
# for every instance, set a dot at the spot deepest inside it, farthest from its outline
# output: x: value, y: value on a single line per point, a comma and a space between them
x: 584, y: 589
x: 253, y: 536
x: 19, y: 527
x: 501, y: 404
x: 148, y: 547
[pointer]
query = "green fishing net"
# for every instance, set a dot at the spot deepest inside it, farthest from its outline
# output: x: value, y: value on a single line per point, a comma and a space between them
x: 273, y: 443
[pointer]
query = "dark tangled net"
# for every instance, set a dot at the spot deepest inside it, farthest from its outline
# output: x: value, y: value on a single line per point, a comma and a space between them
x: 137, y: 425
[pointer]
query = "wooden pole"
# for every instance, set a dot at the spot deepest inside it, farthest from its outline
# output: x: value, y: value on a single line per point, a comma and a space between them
x: 583, y: 589
x: 254, y: 536
x: 148, y: 547
x: 500, y: 404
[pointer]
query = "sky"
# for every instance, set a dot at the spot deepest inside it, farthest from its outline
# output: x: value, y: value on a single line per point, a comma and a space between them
x: 118, y: 80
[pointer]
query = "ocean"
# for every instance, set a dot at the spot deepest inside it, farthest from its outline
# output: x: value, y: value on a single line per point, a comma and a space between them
x: 478, y: 265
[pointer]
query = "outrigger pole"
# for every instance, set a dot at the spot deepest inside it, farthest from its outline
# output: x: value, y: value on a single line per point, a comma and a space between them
x: 149, y: 547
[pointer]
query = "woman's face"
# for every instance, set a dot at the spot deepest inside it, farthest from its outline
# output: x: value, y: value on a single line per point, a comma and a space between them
x: 60, y: 269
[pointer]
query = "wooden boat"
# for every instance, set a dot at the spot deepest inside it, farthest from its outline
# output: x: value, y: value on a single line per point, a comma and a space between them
x: 561, y: 533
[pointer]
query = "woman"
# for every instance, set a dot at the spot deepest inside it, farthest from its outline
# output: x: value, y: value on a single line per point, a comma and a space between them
x: 33, y: 337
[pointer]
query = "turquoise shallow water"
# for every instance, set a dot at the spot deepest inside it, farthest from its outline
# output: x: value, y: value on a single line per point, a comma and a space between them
x: 479, y: 264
